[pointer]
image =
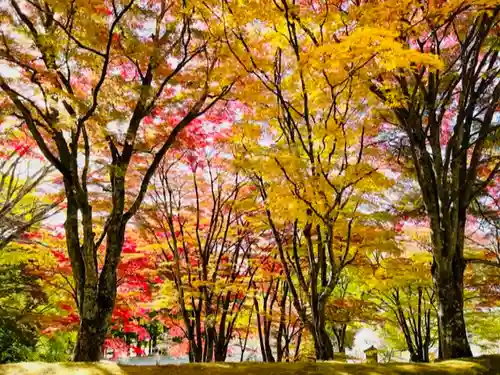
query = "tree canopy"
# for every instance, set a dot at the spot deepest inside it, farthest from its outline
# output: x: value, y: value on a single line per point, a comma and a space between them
x: 219, y: 179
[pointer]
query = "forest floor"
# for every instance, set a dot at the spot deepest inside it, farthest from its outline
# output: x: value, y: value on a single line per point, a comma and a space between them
x: 475, y: 366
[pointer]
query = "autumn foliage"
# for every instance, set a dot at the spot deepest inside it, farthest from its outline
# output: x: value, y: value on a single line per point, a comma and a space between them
x: 219, y: 179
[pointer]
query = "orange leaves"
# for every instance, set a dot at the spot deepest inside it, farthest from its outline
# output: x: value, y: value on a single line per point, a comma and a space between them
x: 103, y: 10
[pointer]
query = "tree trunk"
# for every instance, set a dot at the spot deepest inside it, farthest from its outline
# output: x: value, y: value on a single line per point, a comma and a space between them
x: 417, y: 357
x: 322, y: 344
x: 99, y: 294
x: 340, y: 333
x: 221, y: 354
x: 91, y: 337
x: 449, y: 283
x: 297, y: 346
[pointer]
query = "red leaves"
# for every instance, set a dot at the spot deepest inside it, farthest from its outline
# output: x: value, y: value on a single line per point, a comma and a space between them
x: 127, y: 70
x: 60, y: 236
x: 60, y: 256
x: 160, y: 234
x: 118, y: 346
x: 155, y: 112
x: 138, y: 351
x: 176, y: 331
x: 194, y: 262
x: 193, y: 161
x: 21, y: 148
x: 398, y: 227
x: 31, y: 235
x: 148, y: 120
x: 120, y: 313
x: 103, y: 10
x: 65, y: 306
x: 129, y: 246
x: 157, y: 280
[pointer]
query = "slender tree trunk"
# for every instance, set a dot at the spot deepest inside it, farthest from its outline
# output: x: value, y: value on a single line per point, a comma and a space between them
x: 261, y: 335
x: 340, y: 333
x: 281, y: 327
x: 297, y: 347
x: 247, y: 333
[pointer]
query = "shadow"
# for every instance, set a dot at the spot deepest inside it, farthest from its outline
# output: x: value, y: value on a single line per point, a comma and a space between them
x: 485, y: 365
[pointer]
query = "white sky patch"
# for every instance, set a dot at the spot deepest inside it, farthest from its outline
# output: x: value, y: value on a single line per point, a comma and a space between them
x: 8, y: 72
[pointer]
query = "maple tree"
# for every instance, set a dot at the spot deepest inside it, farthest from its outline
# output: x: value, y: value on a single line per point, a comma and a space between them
x: 278, y: 324
x: 199, y: 219
x: 105, y: 107
x: 444, y: 117
x: 314, y: 160
x: 21, y: 206
x: 349, y: 308
x: 405, y: 292
x: 23, y: 296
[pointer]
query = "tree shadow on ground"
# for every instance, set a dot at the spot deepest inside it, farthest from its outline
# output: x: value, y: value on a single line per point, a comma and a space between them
x: 486, y: 365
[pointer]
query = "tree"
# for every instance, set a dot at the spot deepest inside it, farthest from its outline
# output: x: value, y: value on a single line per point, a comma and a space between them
x: 404, y: 293
x: 104, y: 108
x: 349, y: 308
x: 314, y: 160
x: 21, y: 293
x: 21, y: 208
x: 444, y: 120
x: 278, y: 324
x: 199, y: 217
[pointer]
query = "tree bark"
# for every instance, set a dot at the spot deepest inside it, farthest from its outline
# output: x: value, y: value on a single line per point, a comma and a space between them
x: 91, y: 337
x: 340, y: 333
x: 98, y: 294
x: 322, y: 344
x: 449, y: 283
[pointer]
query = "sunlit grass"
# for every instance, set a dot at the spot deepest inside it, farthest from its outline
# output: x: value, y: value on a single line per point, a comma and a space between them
x: 478, y: 366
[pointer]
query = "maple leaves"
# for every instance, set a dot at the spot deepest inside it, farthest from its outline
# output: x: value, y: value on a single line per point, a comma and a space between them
x: 92, y: 97
x: 200, y: 225
x: 248, y: 156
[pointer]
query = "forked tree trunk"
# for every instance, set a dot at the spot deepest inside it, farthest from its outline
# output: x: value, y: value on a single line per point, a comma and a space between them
x: 94, y: 324
x: 98, y: 296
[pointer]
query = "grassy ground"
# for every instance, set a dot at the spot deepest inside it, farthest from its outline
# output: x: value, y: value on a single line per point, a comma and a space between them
x: 482, y: 365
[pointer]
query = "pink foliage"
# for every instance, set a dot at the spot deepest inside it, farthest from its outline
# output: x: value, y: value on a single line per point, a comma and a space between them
x: 118, y: 346
x: 179, y: 350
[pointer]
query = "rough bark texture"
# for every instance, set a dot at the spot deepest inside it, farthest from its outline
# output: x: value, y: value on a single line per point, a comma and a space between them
x: 91, y: 337
x: 323, y: 344
x: 452, y: 329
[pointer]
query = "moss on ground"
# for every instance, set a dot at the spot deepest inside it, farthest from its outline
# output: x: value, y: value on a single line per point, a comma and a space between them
x: 477, y: 366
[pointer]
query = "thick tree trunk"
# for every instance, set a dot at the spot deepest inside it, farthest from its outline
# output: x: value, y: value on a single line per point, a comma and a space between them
x: 449, y: 283
x: 417, y: 358
x: 91, y: 337
x: 98, y: 298
x: 322, y: 344
x: 221, y: 354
